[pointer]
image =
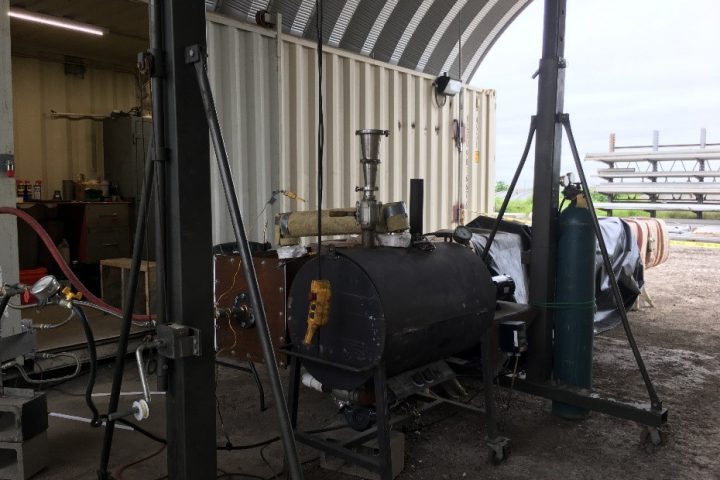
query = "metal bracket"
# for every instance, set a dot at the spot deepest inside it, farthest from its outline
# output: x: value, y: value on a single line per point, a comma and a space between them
x: 194, y: 53
x: 152, y: 62
x: 178, y: 341
x: 6, y: 159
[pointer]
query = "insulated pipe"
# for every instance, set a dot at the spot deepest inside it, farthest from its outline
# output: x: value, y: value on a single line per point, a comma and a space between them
x: 417, y: 198
x: 64, y: 266
x: 286, y: 432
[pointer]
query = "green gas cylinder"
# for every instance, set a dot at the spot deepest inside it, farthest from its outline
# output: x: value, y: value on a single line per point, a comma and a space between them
x: 574, y: 308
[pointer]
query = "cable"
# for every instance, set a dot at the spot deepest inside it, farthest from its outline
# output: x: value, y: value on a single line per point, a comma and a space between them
x: 92, y: 353
x: 321, y: 131
x: 81, y: 303
x: 67, y: 271
x: 51, y: 326
x: 241, y: 476
x: 512, y: 382
x: 141, y: 430
x: 249, y: 446
x: 117, y: 474
x: 267, y: 463
x: 35, y: 381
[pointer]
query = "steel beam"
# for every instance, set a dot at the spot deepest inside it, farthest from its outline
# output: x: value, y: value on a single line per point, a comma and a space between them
x: 9, y: 265
x: 191, y: 387
x: 642, y: 413
x: 546, y: 186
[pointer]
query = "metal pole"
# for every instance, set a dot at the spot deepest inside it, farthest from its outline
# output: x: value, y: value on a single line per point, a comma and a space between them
x: 654, y: 400
x: 9, y: 264
x: 511, y: 189
x: 190, y: 399
x: 158, y: 120
x: 546, y: 187
x: 128, y: 308
x: 196, y: 56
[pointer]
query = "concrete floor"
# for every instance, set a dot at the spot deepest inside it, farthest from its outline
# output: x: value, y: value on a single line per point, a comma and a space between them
x: 239, y: 402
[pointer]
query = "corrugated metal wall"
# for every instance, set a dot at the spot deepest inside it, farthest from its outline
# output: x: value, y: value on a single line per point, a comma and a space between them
x: 273, y: 144
x: 53, y: 150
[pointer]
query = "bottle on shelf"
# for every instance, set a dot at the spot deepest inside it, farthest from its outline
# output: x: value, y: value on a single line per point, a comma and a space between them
x: 37, y: 190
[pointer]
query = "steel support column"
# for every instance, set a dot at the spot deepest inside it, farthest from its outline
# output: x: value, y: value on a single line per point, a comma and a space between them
x: 551, y: 91
x: 191, y: 390
x: 8, y: 225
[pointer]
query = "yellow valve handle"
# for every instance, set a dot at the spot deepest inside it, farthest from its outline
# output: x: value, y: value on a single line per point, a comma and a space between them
x: 292, y: 195
x: 319, y: 310
x: 69, y: 295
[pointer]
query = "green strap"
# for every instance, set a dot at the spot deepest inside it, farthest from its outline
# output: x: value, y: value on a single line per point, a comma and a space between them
x: 566, y: 305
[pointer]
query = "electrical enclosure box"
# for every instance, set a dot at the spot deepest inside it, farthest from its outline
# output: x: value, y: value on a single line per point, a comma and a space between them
x: 513, y: 336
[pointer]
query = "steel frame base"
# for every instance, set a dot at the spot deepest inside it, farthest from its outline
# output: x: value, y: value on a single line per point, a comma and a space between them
x: 498, y: 446
x: 642, y: 413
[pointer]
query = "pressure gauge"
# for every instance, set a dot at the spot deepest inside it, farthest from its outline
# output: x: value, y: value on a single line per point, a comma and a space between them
x: 45, y: 288
x: 462, y: 235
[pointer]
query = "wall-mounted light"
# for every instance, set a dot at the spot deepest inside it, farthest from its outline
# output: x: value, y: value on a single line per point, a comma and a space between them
x: 59, y: 22
x: 444, y: 85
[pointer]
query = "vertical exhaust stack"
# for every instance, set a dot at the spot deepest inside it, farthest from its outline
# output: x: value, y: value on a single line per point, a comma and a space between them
x: 368, y: 208
x: 417, y: 198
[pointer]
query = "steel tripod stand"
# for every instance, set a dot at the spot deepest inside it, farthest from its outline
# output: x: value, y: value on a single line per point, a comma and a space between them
x: 652, y: 415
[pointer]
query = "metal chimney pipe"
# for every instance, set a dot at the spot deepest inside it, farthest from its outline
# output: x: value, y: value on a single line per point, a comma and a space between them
x: 368, y: 207
x: 417, y: 199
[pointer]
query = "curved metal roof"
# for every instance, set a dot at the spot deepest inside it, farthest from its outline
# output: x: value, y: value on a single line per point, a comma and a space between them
x: 418, y: 34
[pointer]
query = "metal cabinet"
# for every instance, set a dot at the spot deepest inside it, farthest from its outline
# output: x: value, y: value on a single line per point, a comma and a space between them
x: 125, y: 144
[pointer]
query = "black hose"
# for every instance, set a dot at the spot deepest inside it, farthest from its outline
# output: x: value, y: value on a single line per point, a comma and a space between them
x: 103, y: 473
x: 92, y: 353
x: 230, y: 447
x: 511, y: 189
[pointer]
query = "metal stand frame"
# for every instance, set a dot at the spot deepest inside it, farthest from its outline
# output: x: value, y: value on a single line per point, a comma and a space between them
x: 547, y: 126
x: 652, y: 414
x: 195, y: 56
x: 499, y: 447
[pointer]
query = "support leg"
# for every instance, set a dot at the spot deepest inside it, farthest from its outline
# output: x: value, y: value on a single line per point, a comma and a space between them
x: 383, y: 424
x: 294, y: 390
x: 654, y: 399
x: 499, y: 446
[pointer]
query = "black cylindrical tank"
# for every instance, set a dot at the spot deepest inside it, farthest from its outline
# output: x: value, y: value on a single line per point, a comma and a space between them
x: 403, y: 307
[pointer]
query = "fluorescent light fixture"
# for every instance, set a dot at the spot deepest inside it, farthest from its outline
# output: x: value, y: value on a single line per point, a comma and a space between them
x: 21, y: 14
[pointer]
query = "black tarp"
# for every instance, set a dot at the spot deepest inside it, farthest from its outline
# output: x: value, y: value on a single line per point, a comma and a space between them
x: 507, y: 252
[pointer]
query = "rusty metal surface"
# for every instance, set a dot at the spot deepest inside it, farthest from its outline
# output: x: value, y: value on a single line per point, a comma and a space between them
x: 274, y: 277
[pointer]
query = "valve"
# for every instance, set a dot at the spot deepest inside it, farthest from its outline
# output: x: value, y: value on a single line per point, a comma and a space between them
x: 319, y: 311
x: 70, y: 296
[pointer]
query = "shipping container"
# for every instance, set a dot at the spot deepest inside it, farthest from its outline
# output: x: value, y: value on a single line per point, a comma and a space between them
x: 266, y: 93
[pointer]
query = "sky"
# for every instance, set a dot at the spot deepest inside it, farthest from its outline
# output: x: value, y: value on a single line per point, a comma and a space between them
x: 633, y: 66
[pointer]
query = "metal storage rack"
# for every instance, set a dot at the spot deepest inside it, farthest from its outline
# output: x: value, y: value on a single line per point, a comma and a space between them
x: 679, y: 177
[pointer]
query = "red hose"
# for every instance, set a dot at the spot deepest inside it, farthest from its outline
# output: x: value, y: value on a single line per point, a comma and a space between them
x: 64, y: 266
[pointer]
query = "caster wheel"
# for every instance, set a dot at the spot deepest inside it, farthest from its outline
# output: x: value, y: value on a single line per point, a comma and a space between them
x: 650, y: 438
x: 499, y: 452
